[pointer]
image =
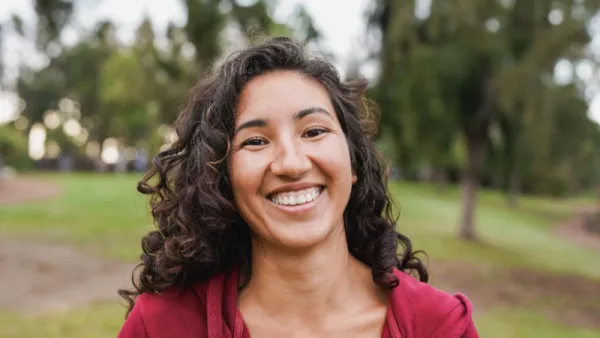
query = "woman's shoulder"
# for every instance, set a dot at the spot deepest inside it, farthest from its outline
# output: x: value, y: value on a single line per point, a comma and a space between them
x: 430, y: 312
x: 174, y: 310
x: 423, y: 295
x: 172, y: 300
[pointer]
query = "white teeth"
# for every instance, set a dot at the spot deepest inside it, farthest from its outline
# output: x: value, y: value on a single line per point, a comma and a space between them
x: 297, y: 197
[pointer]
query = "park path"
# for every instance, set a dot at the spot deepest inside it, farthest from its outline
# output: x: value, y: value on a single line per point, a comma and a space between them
x: 20, y: 190
x: 569, y: 299
x: 574, y: 229
x: 41, y: 277
x: 37, y: 277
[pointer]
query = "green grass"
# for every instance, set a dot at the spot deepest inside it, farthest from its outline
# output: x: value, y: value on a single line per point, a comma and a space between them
x: 515, y: 323
x: 106, y: 215
x: 103, y: 213
x: 97, y: 320
x: 520, y: 237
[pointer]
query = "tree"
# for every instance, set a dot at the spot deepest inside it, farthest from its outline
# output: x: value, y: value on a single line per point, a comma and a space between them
x: 13, y: 148
x: 481, y: 64
x: 53, y: 16
x: 130, y: 92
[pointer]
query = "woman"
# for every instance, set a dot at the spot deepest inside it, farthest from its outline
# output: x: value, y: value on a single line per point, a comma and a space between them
x: 273, y: 216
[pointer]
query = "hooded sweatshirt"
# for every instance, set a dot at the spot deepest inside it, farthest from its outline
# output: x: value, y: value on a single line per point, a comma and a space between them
x: 209, y: 310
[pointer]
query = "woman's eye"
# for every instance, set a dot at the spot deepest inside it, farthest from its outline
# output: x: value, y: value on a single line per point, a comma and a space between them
x: 254, y: 142
x: 314, y: 132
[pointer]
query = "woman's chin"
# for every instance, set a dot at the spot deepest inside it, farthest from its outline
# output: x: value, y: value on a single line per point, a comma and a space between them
x: 303, y: 238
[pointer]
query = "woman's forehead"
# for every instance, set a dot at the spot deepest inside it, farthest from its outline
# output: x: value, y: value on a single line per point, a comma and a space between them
x: 281, y: 92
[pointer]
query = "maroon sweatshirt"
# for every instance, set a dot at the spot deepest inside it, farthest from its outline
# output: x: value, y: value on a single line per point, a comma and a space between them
x: 209, y: 310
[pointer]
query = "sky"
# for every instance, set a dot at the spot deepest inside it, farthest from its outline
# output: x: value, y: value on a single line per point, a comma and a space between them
x: 341, y: 22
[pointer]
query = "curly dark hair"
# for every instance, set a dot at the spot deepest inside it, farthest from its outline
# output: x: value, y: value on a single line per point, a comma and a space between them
x: 199, y: 231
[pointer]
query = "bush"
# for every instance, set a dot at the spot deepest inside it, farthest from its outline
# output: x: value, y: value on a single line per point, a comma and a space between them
x: 13, y: 148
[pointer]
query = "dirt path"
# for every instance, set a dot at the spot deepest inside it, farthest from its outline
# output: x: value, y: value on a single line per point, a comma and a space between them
x: 40, y: 277
x: 37, y: 277
x: 20, y: 190
x: 574, y: 230
x: 568, y: 299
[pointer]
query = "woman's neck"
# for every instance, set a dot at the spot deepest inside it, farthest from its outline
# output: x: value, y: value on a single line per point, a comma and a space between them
x: 309, y: 286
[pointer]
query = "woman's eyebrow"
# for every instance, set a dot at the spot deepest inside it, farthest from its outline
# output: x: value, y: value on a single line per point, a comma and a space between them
x: 254, y: 123
x: 262, y: 122
x: 305, y: 112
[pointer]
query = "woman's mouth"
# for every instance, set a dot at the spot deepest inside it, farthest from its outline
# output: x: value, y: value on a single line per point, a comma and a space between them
x: 300, y: 197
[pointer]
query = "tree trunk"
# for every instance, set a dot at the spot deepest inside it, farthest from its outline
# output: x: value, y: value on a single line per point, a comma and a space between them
x: 470, y: 184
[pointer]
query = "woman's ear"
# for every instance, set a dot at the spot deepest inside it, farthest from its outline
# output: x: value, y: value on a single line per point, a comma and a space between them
x: 354, y: 178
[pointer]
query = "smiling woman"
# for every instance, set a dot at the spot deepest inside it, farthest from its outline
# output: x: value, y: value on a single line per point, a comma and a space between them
x: 274, y: 219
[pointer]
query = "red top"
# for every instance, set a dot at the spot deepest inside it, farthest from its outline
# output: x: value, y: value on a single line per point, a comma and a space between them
x: 209, y: 310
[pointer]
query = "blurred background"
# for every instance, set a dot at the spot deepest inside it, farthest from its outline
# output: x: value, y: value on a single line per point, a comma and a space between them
x: 490, y: 117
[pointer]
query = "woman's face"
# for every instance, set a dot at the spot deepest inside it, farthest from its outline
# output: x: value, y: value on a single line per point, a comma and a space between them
x: 289, y: 168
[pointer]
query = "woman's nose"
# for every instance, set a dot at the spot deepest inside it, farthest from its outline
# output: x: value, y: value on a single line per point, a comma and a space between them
x: 291, y: 161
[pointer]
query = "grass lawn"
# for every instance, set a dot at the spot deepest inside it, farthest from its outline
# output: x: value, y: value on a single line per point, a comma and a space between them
x: 97, y: 320
x: 102, y: 213
x: 521, y: 237
x: 106, y: 215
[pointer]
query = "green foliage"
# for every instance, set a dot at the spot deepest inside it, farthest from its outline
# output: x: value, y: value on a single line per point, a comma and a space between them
x: 13, y: 148
x: 53, y: 16
x: 42, y: 90
x: 205, y: 22
x: 124, y: 90
x: 480, y: 72
x: 127, y: 91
